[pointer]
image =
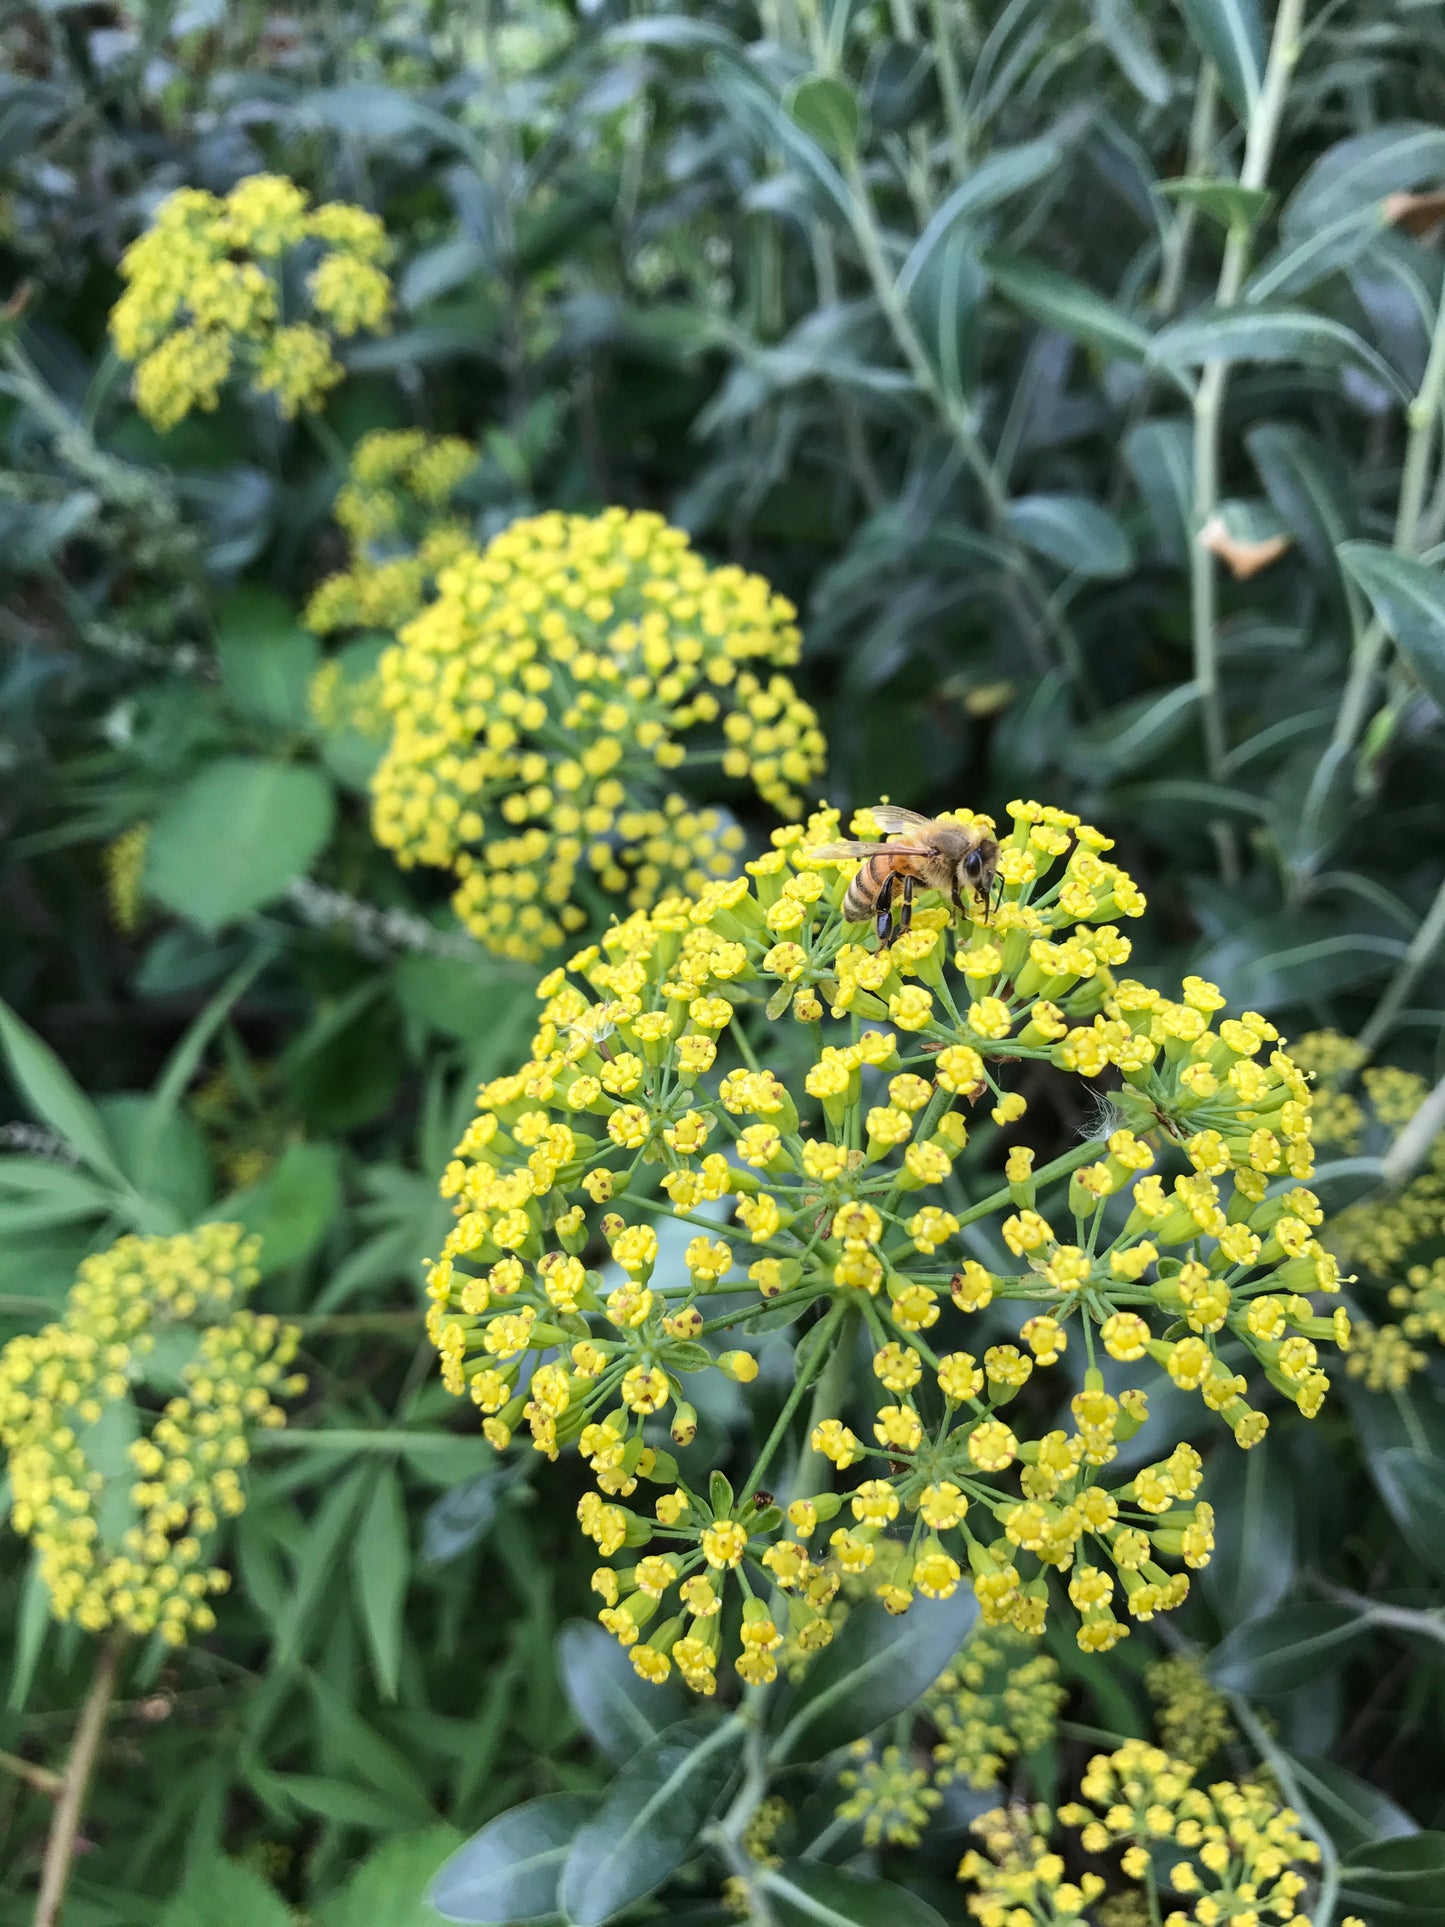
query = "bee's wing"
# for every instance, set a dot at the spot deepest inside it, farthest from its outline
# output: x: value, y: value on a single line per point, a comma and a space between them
x: 892, y: 819
x: 830, y: 851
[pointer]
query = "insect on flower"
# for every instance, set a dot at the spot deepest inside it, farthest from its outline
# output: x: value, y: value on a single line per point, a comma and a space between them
x: 932, y: 851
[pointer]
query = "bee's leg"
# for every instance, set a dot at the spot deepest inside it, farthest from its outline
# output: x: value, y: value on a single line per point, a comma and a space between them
x: 905, y: 915
x: 995, y: 894
x: 883, y: 922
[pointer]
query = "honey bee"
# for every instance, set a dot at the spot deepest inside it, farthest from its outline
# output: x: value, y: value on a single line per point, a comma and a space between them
x: 929, y: 851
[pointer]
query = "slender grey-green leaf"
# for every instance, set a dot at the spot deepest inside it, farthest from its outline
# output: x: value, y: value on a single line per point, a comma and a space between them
x: 1283, y: 1649
x: 1007, y: 171
x: 1074, y: 531
x: 1410, y: 600
x: 1071, y: 306
x: 1293, y: 335
x: 1160, y: 457
x: 1231, y: 34
x: 1398, y: 1883
x: 1356, y: 173
x: 54, y: 1097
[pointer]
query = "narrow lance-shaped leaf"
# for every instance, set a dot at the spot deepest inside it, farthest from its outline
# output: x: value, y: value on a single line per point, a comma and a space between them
x: 509, y: 1871
x: 1231, y: 34
x: 1270, y: 335
x: 1071, y: 306
x: 806, y: 1893
x: 1410, y: 600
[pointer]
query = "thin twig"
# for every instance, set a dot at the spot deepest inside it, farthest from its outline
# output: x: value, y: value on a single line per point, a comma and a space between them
x: 70, y: 1804
x: 41, y: 1778
x: 1423, y: 946
x: 1323, y: 1911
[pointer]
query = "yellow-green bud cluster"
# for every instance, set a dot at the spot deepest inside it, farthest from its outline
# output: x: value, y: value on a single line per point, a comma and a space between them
x: 119, y: 1528
x: 643, y: 1099
x: 1192, y: 1716
x: 204, y: 296
x: 123, y: 861
x: 892, y: 1798
x: 1000, y: 1698
x: 394, y: 507
x: 541, y: 703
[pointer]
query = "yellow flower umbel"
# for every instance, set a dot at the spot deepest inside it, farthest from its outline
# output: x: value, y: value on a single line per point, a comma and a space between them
x: 1394, y: 1237
x: 892, y: 1798
x: 206, y: 292
x: 129, y: 1549
x: 542, y: 702
x: 123, y: 860
x: 1000, y: 1698
x: 644, y: 1099
x: 1192, y: 1716
x: 394, y: 509
x: 1230, y: 1853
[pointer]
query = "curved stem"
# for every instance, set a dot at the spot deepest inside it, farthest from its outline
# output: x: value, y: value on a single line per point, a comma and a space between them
x: 65, y: 1822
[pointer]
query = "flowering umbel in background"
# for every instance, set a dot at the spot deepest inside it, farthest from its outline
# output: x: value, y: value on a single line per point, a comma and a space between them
x: 542, y: 703
x: 118, y: 1500
x: 1181, y: 1235
x: 210, y: 285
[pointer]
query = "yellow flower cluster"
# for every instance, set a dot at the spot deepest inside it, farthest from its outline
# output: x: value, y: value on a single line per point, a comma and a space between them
x: 1001, y: 1697
x: 1227, y: 1853
x: 1191, y: 1715
x: 123, y: 862
x: 204, y: 294
x: 893, y: 1799
x: 1179, y: 1238
x: 540, y: 705
x: 119, y: 1500
x: 393, y: 508
x: 1393, y: 1237
x: 338, y: 701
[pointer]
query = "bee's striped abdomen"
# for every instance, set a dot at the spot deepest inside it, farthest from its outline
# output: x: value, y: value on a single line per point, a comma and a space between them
x: 866, y: 890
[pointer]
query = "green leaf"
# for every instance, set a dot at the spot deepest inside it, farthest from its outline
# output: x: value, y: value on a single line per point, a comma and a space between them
x: 1412, y: 1484
x: 1254, y: 1501
x: 1283, y: 1649
x: 32, y: 1623
x: 292, y: 1207
x: 1068, y: 305
x: 805, y: 1893
x: 827, y: 108
x: 221, y: 1889
x: 510, y: 1870
x: 1007, y: 171
x: 879, y: 1664
x: 339, y: 1801
x: 381, y: 1566
x: 1398, y: 1882
x: 1160, y: 457
x: 1293, y: 335
x: 1072, y: 530
x: 620, y: 1711
x: 1410, y: 600
x: 162, y: 1155
x: 1353, y: 1813
x: 267, y: 658
x: 1135, y: 734
x: 388, y: 1889
x: 1121, y: 26
x: 1230, y: 33
x: 235, y: 836
x: 649, y: 1819
x: 1223, y: 201
x: 1356, y: 173
x: 53, y: 1097
x: 320, y: 1551
x: 946, y: 301
x: 1309, y: 484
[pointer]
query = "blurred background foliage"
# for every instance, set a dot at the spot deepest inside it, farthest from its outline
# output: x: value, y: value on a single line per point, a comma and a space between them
x: 1076, y: 367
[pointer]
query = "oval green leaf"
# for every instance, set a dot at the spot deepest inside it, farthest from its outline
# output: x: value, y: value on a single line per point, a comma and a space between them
x: 1397, y: 1882
x: 235, y: 836
x: 649, y: 1819
x: 827, y: 108
x: 805, y: 1893
x: 1283, y: 1649
x: 877, y: 1667
x: 1078, y: 534
x: 510, y: 1870
x: 620, y: 1712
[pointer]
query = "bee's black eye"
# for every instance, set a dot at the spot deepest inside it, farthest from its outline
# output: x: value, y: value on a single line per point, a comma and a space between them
x: 973, y: 863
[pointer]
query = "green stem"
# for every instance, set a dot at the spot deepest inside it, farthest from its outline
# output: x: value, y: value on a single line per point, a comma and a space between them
x: 1423, y: 946
x: 1322, y: 1913
x: 812, y: 1472
x: 1208, y: 413
x: 955, y: 111
x: 70, y: 1801
x: 1421, y: 417
x: 790, y: 1405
